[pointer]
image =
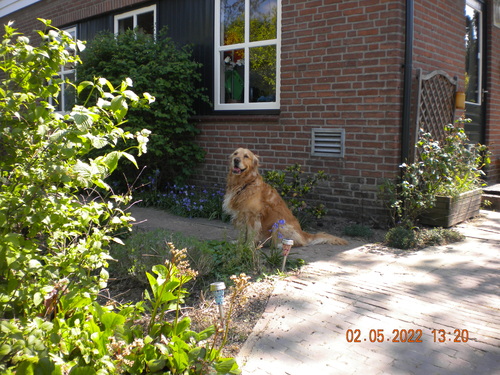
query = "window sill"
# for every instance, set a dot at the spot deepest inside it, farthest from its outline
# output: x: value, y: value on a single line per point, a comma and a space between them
x: 240, y: 116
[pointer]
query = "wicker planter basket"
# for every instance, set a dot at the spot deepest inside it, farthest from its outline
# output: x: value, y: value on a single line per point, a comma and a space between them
x: 450, y: 211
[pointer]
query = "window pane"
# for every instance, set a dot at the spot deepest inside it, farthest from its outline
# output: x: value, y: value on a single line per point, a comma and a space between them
x: 263, y: 19
x: 472, y: 62
x: 263, y: 74
x: 125, y: 24
x: 67, y: 95
x: 69, y: 92
x: 146, y: 22
x: 232, y: 22
x: 232, y: 76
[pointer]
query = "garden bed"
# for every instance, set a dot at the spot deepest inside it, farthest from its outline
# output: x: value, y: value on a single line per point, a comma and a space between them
x: 201, y: 308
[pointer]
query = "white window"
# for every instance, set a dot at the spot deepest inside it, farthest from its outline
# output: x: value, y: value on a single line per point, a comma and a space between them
x: 143, y: 19
x: 67, y: 95
x: 247, y: 54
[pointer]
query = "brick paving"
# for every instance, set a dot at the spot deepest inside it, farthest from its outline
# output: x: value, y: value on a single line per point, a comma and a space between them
x: 359, y: 292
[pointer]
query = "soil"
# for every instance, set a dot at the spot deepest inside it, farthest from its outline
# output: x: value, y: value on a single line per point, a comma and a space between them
x: 202, y: 309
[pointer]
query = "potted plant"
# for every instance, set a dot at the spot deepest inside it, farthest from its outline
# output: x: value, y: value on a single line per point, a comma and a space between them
x: 443, y: 186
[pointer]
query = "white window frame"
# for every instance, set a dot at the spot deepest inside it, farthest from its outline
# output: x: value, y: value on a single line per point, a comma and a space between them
x: 64, y: 72
x: 246, y: 105
x: 134, y: 13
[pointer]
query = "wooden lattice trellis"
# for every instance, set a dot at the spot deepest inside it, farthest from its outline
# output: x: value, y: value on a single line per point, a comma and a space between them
x: 435, y: 103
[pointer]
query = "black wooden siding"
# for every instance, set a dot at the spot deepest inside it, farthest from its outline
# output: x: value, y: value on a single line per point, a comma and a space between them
x: 188, y: 21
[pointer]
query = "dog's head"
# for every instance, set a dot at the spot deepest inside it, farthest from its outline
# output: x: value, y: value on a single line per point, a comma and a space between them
x: 243, y: 161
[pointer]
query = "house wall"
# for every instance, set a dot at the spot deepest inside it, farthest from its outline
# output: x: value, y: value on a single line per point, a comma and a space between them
x: 341, y: 68
x: 446, y: 52
x: 493, y: 97
x: 64, y: 13
x: 439, y: 41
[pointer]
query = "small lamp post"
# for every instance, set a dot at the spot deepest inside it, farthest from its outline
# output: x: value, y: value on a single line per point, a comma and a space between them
x: 287, y: 246
x: 218, y: 290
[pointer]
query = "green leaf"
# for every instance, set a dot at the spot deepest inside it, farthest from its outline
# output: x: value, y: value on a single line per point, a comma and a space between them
x: 104, y: 82
x: 112, y: 320
x: 131, y: 158
x: 5, y: 349
x: 156, y: 365
x: 111, y: 159
x: 227, y: 366
x: 83, y: 85
x: 182, y: 326
x: 119, y: 106
x: 83, y: 118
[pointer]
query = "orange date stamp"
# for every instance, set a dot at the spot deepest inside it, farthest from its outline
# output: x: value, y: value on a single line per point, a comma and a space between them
x: 406, y: 335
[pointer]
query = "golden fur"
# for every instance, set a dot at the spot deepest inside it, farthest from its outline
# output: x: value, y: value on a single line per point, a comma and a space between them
x: 255, y: 206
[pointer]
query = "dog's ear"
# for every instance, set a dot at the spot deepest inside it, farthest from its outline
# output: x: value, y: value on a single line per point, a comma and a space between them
x: 255, y: 160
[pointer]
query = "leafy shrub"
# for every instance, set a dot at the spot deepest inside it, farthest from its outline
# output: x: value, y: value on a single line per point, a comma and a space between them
x: 406, y: 238
x: 55, y: 231
x: 401, y: 238
x: 437, y: 236
x: 292, y: 187
x: 169, y: 73
x: 448, y: 168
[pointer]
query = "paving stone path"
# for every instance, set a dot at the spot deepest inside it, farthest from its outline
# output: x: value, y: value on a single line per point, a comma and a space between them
x: 370, y: 310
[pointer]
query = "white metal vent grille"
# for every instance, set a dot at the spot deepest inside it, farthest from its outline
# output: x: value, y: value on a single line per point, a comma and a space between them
x: 328, y: 142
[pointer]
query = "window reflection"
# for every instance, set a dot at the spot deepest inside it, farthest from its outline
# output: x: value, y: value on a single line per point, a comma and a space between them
x: 232, y: 22
x: 263, y: 74
x: 263, y: 19
x: 472, y: 22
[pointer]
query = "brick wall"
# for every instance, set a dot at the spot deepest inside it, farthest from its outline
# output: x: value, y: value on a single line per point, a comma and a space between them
x: 341, y: 67
x: 493, y: 99
x: 439, y: 30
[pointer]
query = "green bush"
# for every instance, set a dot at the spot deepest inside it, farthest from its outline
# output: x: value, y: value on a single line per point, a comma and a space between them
x: 401, y: 238
x: 55, y: 231
x: 437, y: 236
x: 293, y: 188
x: 447, y: 168
x: 158, y: 66
x: 412, y: 238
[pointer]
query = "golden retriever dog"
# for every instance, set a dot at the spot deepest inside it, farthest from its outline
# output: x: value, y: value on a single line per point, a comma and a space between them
x: 255, y: 207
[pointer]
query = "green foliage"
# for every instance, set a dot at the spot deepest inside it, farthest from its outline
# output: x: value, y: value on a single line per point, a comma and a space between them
x: 447, y: 168
x: 293, y: 188
x: 55, y: 230
x: 437, y: 236
x: 213, y: 260
x: 185, y: 200
x: 47, y: 233
x: 169, y: 73
x: 401, y: 237
x: 411, y: 238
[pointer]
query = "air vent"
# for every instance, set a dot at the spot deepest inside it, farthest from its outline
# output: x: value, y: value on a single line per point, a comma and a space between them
x: 328, y: 142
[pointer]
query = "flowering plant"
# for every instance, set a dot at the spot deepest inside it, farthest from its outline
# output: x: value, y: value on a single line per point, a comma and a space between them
x: 446, y: 167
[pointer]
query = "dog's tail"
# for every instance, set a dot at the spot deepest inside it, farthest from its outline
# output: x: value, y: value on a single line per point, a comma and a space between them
x: 319, y: 238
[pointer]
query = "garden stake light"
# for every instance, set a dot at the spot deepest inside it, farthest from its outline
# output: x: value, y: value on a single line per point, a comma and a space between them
x: 287, y: 246
x: 218, y: 290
